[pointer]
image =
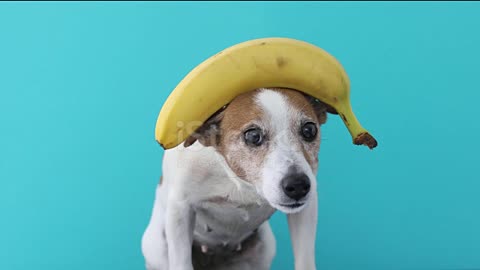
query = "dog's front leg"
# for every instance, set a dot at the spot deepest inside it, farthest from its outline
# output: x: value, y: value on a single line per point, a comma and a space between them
x: 180, y: 222
x: 303, y: 228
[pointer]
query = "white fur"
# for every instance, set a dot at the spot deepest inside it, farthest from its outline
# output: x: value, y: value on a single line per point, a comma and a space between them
x: 285, y: 153
x: 187, y: 203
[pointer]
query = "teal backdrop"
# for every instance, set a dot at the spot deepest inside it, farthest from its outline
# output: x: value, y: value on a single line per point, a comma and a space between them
x: 81, y: 85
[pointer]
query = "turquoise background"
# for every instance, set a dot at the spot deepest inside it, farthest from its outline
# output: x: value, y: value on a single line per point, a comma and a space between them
x: 81, y: 85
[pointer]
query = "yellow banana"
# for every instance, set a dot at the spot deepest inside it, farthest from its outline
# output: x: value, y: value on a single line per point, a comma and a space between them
x: 266, y: 62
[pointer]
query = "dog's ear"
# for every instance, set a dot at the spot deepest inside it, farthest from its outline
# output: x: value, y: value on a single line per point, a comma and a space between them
x: 208, y: 133
x: 320, y: 108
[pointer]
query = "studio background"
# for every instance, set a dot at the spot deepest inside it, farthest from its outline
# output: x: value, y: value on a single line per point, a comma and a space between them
x: 81, y: 85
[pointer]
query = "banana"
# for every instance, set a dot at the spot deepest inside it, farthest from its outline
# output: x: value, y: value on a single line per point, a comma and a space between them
x: 258, y: 63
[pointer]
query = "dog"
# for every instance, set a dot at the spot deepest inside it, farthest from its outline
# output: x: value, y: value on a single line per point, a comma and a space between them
x: 219, y: 188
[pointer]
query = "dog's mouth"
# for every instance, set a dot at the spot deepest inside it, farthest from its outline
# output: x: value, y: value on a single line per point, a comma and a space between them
x: 293, y: 205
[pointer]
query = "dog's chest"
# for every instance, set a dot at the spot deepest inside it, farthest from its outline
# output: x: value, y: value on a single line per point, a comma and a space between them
x: 229, y: 213
x: 221, y: 220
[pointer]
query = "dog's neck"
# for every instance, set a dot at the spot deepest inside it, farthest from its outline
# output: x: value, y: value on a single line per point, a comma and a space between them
x: 243, y: 187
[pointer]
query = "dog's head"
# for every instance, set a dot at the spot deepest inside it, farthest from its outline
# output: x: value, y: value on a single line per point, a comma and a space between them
x: 270, y: 138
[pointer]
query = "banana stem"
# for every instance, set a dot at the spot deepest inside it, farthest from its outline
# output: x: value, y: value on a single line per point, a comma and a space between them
x: 359, y: 134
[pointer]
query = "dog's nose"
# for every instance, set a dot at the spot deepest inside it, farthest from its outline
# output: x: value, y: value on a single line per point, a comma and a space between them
x: 296, y: 186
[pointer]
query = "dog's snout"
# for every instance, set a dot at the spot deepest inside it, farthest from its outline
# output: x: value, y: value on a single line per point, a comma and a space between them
x: 296, y: 186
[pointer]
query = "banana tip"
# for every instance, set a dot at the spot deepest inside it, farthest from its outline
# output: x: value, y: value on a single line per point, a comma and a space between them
x: 365, y: 139
x: 161, y: 144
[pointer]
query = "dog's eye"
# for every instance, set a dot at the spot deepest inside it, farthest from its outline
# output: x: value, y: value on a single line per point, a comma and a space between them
x: 253, y: 137
x: 309, y: 131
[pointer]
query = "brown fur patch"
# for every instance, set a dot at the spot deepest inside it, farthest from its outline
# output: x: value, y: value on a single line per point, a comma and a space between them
x: 240, y: 112
x: 207, y: 134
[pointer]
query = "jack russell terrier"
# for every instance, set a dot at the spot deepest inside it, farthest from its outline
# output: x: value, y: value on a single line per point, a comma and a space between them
x: 257, y: 155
